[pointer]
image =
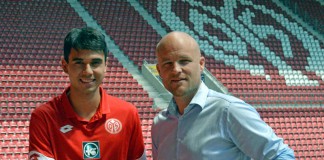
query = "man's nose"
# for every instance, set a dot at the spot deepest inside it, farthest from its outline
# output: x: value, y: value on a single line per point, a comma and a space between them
x: 87, y: 69
x: 176, y: 68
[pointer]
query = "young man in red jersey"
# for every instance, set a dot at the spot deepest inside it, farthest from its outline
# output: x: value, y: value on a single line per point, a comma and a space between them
x: 85, y: 122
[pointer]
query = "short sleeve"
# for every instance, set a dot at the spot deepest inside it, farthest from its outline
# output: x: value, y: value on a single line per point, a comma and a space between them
x: 39, y: 140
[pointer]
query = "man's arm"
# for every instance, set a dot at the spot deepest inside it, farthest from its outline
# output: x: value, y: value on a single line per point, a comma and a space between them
x: 153, y: 136
x: 253, y: 136
x: 39, y: 140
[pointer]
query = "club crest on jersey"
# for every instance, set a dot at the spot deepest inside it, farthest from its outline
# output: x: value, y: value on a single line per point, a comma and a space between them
x: 113, y: 126
x: 91, y: 150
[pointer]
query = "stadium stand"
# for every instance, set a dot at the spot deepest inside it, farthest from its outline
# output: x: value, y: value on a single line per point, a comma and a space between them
x: 31, y: 38
x: 259, y: 71
x: 132, y: 33
x: 253, y: 48
x: 310, y: 11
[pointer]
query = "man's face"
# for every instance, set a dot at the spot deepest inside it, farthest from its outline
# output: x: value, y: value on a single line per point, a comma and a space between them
x: 180, y: 69
x: 86, y: 70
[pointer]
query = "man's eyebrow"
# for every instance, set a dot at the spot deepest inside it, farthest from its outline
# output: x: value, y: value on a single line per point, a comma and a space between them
x: 77, y: 59
x: 97, y: 59
x: 80, y: 59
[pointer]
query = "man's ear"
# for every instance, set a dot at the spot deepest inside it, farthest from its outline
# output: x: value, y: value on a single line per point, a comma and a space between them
x: 64, y: 65
x: 202, y: 63
x: 157, y: 68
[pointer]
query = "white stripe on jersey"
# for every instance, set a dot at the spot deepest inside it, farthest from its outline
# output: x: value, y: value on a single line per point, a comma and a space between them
x: 34, y: 155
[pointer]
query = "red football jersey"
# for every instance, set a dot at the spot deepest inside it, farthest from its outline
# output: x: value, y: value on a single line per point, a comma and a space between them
x: 57, y: 132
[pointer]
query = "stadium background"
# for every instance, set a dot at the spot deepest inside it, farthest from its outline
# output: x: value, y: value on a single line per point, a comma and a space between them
x: 268, y: 53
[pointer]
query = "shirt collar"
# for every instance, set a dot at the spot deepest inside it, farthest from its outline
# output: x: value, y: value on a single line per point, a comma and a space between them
x: 103, y: 109
x: 201, y: 96
x: 198, y: 100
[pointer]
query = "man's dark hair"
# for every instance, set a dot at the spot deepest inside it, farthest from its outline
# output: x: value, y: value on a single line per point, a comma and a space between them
x: 85, y: 38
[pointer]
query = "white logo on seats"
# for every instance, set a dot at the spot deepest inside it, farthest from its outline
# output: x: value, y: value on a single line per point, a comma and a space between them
x: 113, y: 126
x: 66, y: 128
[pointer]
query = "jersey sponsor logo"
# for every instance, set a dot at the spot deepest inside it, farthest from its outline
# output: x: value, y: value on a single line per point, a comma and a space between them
x: 91, y: 150
x: 66, y: 128
x: 113, y: 126
x: 34, y: 155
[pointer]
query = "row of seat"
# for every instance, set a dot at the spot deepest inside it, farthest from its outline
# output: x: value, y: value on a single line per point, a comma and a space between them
x: 32, y: 34
x: 309, y: 10
x: 301, y: 128
x: 287, y: 80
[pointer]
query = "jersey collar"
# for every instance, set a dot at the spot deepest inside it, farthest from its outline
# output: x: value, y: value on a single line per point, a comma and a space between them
x: 104, y: 107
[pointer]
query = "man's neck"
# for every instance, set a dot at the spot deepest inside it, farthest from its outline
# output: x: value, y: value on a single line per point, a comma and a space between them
x: 184, y: 100
x: 182, y: 103
x: 85, y: 105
